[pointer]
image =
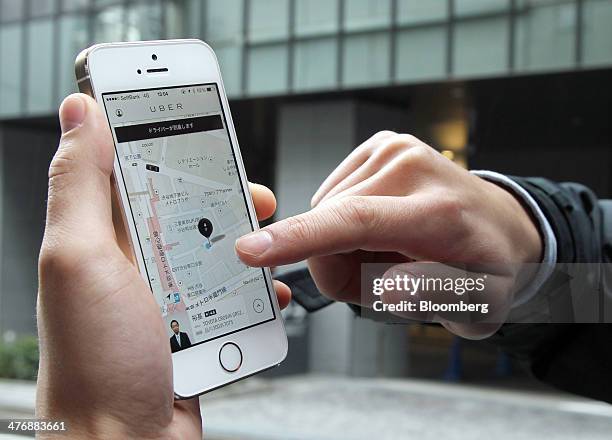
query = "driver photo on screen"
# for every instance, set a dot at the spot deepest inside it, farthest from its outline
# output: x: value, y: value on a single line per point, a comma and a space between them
x: 179, y: 340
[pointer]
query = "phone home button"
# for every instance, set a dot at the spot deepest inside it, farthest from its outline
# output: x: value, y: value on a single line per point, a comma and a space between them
x: 230, y: 357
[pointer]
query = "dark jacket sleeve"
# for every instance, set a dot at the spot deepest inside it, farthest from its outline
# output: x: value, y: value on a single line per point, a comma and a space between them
x: 573, y: 357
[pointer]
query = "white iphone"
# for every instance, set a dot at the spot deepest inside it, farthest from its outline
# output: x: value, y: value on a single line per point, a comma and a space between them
x: 183, y: 193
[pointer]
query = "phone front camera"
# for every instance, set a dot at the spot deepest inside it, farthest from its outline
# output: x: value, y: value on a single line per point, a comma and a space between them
x: 139, y: 71
x: 154, y: 57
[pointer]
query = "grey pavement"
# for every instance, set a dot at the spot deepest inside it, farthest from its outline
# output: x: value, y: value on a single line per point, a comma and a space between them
x: 17, y: 398
x: 327, y: 407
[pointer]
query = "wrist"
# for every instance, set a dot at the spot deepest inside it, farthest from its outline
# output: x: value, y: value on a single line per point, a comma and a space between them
x: 515, y: 227
x: 101, y: 426
x: 528, y: 240
x: 88, y: 425
x: 530, y: 277
x: 93, y: 421
x: 515, y: 219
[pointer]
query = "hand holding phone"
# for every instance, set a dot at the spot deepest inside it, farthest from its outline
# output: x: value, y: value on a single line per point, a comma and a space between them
x: 105, y: 364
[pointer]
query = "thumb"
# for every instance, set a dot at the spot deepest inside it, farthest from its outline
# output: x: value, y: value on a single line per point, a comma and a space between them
x: 79, y: 200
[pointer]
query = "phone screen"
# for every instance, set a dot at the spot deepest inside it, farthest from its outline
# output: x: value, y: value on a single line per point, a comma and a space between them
x: 188, y: 204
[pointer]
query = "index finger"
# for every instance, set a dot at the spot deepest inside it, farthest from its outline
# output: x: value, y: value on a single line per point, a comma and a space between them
x: 335, y: 227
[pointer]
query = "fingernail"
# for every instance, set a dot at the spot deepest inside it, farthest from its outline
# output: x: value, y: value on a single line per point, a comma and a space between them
x: 72, y: 113
x: 255, y: 243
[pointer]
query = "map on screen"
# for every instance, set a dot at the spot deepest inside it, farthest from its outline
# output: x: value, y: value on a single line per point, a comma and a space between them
x: 188, y: 206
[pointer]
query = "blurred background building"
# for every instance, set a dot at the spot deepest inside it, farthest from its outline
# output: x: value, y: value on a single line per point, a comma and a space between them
x: 517, y: 86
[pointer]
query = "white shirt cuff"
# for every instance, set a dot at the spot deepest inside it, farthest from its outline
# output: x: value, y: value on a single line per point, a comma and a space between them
x: 550, y: 242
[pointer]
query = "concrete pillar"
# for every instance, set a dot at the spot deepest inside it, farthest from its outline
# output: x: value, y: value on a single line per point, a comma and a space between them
x: 26, y: 152
x: 313, y: 138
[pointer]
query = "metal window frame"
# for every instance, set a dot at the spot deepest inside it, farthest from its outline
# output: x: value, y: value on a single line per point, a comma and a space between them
x: 450, y: 37
x: 25, y: 58
x: 244, y: 78
x: 291, y: 15
x: 512, y: 37
x: 393, y: 11
x: 340, y: 35
x: 579, y: 35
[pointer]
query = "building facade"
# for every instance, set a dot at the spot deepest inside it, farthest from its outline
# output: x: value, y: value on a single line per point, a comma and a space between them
x: 520, y: 86
x: 283, y: 47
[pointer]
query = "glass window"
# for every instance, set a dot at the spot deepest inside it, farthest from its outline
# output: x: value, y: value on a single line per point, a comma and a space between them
x: 367, y: 14
x: 10, y: 74
x: 40, y: 70
x: 267, y: 70
x: 11, y: 10
x: 224, y: 20
x: 475, y: 7
x: 481, y: 47
x: 268, y: 20
x: 545, y: 37
x: 230, y: 62
x: 315, y: 64
x: 39, y: 8
x: 74, y: 5
x: 421, y: 53
x: 73, y: 39
x: 418, y: 11
x: 597, y: 39
x: 144, y: 22
x: 314, y: 17
x: 366, y: 59
x: 108, y: 25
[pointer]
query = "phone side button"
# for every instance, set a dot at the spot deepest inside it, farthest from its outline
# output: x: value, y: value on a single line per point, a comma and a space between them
x: 230, y: 357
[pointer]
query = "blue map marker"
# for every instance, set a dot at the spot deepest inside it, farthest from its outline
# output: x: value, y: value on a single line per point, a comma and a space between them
x: 205, y: 227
